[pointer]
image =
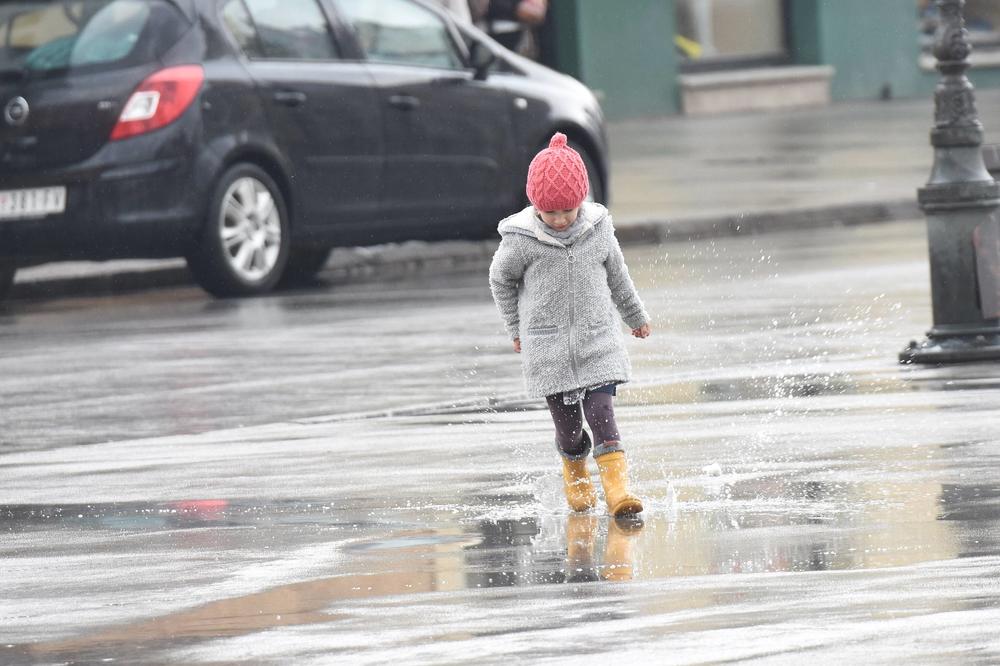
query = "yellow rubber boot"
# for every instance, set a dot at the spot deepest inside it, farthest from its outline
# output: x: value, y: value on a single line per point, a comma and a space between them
x: 580, y: 492
x: 614, y: 478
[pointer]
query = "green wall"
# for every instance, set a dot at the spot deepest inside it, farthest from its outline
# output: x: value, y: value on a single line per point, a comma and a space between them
x: 872, y: 44
x: 623, y: 51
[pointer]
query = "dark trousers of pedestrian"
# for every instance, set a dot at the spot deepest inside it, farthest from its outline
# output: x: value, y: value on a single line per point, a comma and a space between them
x: 597, y: 406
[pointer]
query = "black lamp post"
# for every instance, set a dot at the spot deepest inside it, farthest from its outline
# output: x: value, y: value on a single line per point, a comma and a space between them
x: 961, y: 202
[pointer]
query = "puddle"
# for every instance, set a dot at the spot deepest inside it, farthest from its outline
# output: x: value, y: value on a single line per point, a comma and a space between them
x: 163, y: 516
x: 704, y: 524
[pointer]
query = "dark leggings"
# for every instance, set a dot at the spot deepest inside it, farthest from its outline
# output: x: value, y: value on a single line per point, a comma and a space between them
x: 599, y: 409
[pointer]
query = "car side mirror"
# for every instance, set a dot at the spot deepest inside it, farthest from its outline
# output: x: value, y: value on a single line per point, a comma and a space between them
x: 481, y: 57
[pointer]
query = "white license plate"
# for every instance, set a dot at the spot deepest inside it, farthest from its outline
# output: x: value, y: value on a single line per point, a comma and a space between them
x: 35, y: 202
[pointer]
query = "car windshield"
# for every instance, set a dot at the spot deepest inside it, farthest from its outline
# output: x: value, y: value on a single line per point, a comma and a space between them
x: 39, y: 37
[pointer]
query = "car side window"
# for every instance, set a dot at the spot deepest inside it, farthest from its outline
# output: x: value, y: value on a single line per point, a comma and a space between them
x: 401, y: 32
x: 290, y: 30
x: 237, y: 20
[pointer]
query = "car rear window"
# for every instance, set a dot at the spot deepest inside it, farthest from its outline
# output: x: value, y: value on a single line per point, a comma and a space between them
x: 52, y: 36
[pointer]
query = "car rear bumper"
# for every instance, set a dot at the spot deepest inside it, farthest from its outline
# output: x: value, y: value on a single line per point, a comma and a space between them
x: 114, y: 208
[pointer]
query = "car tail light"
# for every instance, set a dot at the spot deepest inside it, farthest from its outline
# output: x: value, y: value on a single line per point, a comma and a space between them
x: 159, y: 100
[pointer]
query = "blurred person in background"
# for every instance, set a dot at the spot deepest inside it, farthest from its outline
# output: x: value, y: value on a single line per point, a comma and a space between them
x: 511, y: 22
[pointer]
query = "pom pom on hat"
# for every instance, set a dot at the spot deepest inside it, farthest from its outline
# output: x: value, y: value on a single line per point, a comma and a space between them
x: 557, y: 177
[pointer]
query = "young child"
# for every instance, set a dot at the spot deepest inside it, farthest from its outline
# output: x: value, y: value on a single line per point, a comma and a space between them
x: 557, y: 279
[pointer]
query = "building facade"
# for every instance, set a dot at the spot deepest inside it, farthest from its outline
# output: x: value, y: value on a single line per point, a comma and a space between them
x: 655, y: 57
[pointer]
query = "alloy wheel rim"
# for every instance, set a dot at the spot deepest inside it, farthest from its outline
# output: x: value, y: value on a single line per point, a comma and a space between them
x: 250, y: 229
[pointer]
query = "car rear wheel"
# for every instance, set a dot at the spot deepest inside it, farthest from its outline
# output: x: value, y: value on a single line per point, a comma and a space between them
x: 304, y: 263
x: 596, y: 192
x: 7, y: 272
x: 243, y: 248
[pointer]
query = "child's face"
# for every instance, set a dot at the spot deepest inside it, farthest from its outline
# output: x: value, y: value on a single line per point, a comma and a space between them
x: 559, y: 219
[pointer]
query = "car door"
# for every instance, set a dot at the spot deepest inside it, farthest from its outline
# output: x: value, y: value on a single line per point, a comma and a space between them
x: 322, y: 109
x: 447, y: 135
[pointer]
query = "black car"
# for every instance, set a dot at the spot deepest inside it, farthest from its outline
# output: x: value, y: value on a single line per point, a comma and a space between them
x: 251, y: 136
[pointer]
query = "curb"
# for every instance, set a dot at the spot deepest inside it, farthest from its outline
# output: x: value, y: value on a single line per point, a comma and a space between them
x: 760, y: 222
x: 346, y: 265
x: 401, y: 260
x: 113, y: 281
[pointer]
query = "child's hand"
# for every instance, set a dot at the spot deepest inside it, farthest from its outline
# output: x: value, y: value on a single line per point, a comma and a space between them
x: 517, y: 345
x: 643, y: 331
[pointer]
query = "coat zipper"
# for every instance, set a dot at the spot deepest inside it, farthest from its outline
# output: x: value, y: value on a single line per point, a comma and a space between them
x: 572, y: 315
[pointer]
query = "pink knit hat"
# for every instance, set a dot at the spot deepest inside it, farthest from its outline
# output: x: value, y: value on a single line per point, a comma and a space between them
x: 557, y: 177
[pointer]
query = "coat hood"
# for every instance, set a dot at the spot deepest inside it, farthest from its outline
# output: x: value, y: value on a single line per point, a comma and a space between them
x: 523, y: 222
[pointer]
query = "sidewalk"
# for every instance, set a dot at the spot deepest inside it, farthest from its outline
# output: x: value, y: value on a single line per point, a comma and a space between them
x: 672, y: 178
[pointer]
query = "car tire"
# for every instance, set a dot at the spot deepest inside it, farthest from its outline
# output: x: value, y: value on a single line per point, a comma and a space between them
x: 597, y: 192
x: 304, y: 264
x: 7, y: 272
x: 243, y: 247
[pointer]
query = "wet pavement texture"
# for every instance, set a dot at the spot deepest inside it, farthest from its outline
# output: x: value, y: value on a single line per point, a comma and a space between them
x: 693, y: 167
x: 352, y: 475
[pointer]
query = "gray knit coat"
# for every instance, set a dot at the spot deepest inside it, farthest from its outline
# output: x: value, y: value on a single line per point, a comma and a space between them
x: 561, y: 300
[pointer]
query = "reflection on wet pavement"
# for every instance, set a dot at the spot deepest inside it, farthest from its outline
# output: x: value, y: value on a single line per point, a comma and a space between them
x: 855, y: 509
x: 813, y: 513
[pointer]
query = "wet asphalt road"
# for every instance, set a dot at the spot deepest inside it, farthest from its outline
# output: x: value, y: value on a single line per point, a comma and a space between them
x: 350, y: 475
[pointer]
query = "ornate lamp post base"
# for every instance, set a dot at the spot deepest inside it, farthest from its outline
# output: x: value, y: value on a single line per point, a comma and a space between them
x: 940, y: 349
x: 962, y: 204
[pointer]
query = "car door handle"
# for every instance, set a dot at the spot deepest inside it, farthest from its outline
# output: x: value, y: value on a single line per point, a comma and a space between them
x: 290, y: 97
x: 404, y: 102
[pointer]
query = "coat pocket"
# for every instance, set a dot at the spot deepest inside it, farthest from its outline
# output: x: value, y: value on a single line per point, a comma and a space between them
x: 545, y: 355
